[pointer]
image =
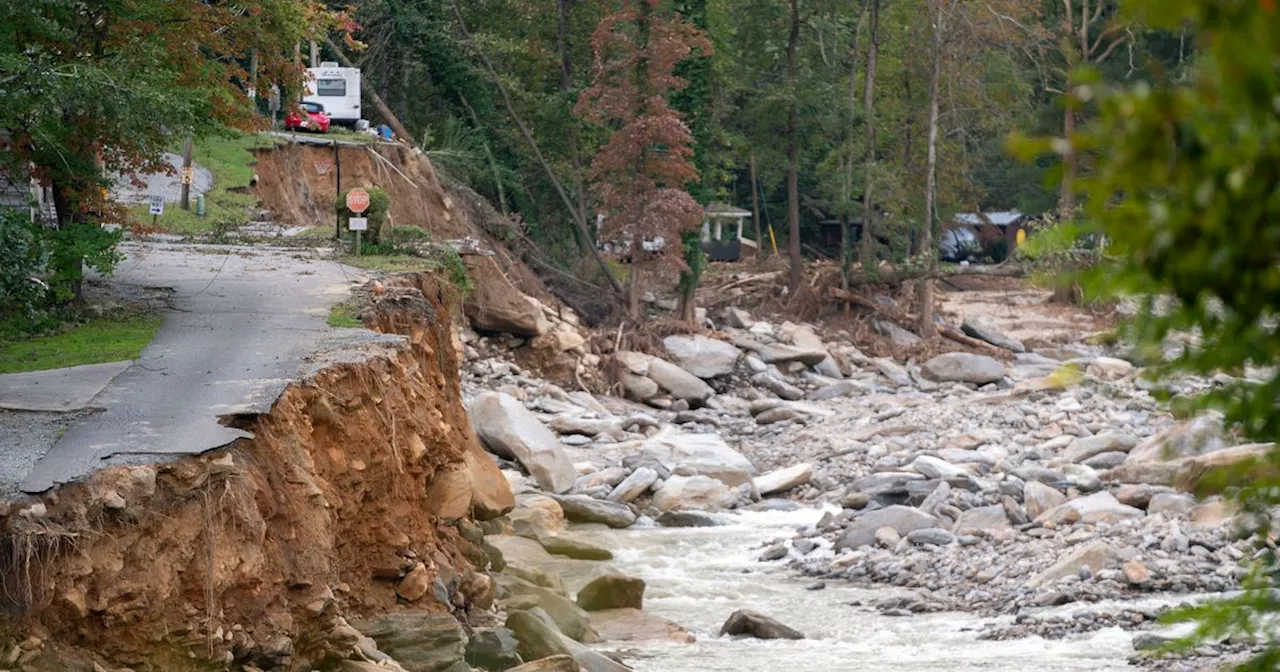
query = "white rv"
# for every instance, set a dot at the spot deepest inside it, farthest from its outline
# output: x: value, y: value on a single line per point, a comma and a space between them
x: 337, y: 90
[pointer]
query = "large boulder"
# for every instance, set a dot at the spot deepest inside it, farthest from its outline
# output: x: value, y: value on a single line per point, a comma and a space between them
x: 679, y: 383
x: 565, y: 614
x: 1197, y: 436
x: 1100, y: 506
x: 703, y: 357
x: 692, y: 492
x: 745, y: 622
x: 1038, y: 498
x: 509, y: 430
x: 705, y: 454
x: 419, y: 641
x: 537, y: 639
x: 634, y: 625
x: 634, y: 485
x: 903, y: 519
x: 784, y: 479
x: 1094, y: 556
x: 612, y: 591
x: 584, y: 509
x: 805, y: 339
x: 497, y: 305
x: 985, y: 331
x: 1106, y: 442
x: 490, y: 492
x: 982, y: 520
x: 963, y: 367
x: 494, y: 650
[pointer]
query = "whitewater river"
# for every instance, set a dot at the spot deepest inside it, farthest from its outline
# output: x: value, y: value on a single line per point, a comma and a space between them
x: 698, y: 576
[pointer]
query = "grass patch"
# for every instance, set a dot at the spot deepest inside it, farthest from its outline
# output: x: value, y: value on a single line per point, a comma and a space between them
x: 96, y: 340
x: 340, y: 316
x: 392, y: 263
x: 228, y: 201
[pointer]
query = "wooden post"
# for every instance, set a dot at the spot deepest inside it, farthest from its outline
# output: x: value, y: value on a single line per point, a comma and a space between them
x: 185, y: 201
x: 337, y: 190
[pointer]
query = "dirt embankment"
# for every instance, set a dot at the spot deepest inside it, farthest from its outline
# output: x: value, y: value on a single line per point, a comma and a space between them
x: 352, y: 497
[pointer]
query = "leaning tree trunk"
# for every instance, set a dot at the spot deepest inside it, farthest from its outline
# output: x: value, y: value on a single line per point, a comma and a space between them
x: 793, y: 181
x: 927, y: 328
x: 761, y: 250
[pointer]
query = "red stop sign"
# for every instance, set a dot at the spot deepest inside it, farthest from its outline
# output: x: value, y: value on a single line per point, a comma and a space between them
x: 357, y: 200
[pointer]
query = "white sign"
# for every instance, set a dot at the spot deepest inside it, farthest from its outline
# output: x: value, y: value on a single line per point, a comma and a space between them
x: 157, y: 204
x: 358, y: 224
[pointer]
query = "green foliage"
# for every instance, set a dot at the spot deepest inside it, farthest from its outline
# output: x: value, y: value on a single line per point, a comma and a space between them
x: 1185, y: 192
x: 24, y: 297
x: 111, y: 338
x: 377, y: 213
x: 341, y: 316
x: 74, y: 246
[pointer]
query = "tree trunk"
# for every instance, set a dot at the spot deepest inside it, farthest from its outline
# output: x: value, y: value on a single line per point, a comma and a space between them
x: 846, y: 226
x: 571, y: 131
x: 867, y: 244
x: 635, y: 287
x: 927, y: 329
x: 793, y: 181
x: 1067, y: 203
x: 762, y: 250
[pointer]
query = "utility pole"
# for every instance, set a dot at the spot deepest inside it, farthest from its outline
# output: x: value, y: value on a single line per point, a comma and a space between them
x: 187, y: 175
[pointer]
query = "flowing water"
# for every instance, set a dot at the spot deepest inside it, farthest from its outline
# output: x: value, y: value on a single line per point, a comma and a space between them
x: 698, y: 576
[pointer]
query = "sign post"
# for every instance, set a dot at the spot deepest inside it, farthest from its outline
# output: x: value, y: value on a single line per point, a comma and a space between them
x: 157, y: 206
x: 358, y: 202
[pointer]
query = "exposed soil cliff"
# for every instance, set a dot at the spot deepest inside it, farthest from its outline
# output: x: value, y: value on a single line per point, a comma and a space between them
x: 350, y: 501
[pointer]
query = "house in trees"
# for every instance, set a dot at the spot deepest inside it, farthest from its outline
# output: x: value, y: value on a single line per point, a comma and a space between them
x: 722, y: 237
x: 19, y: 190
x: 990, y: 227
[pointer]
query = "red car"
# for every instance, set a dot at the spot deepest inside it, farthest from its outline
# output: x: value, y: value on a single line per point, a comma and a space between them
x: 309, y: 117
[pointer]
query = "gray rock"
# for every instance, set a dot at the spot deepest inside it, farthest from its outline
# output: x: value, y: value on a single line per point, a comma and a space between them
x: 963, y: 367
x: 744, y: 622
x: 903, y: 519
x: 890, y: 369
x: 686, y: 519
x: 738, y: 318
x: 612, y: 591
x: 1105, y: 461
x: 937, y: 498
x: 784, y: 479
x: 703, y: 357
x: 1099, y: 506
x: 419, y: 641
x: 982, y: 520
x: 493, y: 650
x: 1038, y: 498
x: 778, y: 386
x: 774, y: 552
x: 705, y: 454
x: 843, y: 388
x: 1148, y: 641
x: 1106, y: 442
x: 780, y: 414
x: 560, y: 663
x: 679, y: 383
x: 933, y: 467
x: 637, y: 388
x: 1171, y: 504
x: 1035, y: 472
x: 570, y: 547
x: 537, y: 639
x: 893, y: 332
x: 930, y: 535
x: 1092, y: 557
x: 779, y: 353
x: 693, y: 492
x: 584, y: 509
x: 509, y: 430
x: 634, y: 485
x: 982, y: 330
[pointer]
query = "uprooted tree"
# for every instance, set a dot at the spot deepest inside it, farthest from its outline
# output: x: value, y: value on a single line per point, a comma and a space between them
x: 639, y: 177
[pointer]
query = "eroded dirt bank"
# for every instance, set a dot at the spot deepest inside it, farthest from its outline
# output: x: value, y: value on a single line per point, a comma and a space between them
x: 349, y: 503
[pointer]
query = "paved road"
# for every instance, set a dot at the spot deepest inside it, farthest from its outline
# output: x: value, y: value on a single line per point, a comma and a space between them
x: 242, y: 322
x: 168, y: 185
x: 69, y: 389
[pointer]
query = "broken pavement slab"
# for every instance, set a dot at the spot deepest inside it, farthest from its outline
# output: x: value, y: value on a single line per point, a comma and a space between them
x: 242, y: 324
x: 57, y: 390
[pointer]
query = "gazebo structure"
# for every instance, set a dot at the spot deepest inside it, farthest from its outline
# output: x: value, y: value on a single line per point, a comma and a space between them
x: 715, y: 243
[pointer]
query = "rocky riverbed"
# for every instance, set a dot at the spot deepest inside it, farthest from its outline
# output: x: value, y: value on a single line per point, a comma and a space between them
x: 1008, y: 487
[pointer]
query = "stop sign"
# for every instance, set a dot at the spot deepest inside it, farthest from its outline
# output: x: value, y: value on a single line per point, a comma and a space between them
x: 357, y: 200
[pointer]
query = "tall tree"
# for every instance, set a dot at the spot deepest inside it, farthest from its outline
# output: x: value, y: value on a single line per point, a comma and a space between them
x: 937, y: 16
x: 793, y: 151
x: 639, y: 176
x: 867, y: 243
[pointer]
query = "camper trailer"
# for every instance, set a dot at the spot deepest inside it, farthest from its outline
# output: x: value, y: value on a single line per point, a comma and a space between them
x: 337, y: 90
